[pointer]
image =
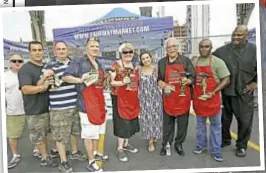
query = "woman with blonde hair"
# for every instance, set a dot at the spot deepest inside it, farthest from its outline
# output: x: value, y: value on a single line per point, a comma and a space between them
x: 150, y: 97
x: 124, y: 82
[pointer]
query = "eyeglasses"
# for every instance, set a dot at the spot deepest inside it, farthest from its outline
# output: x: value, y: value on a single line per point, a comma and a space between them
x: 16, y: 61
x: 127, y: 52
x: 204, y: 46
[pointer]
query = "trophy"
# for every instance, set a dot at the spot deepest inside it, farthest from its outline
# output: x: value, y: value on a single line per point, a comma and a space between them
x: 128, y: 72
x: 91, y: 77
x: 204, y: 77
x: 182, y: 86
x: 108, y: 78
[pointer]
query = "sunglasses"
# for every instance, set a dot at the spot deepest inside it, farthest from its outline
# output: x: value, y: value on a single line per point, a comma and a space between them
x: 127, y: 52
x: 16, y: 61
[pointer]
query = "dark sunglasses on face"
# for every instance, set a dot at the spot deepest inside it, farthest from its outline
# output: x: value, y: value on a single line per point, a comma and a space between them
x: 17, y: 61
x: 127, y: 52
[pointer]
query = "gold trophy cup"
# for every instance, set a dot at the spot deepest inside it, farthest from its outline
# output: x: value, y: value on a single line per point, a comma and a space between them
x: 204, y: 95
x: 182, y: 86
x: 108, y: 79
x: 129, y: 71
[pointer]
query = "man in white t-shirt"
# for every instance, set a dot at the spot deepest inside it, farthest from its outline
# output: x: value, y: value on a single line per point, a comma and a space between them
x: 15, y: 119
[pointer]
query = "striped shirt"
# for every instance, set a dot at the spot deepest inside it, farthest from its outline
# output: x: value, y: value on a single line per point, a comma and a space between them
x: 65, y: 96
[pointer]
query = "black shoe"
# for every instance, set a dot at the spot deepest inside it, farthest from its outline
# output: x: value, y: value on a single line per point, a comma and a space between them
x: 179, y: 149
x: 49, y: 162
x: 240, y: 152
x: 65, y: 167
x: 163, y: 151
x: 225, y: 144
x: 54, y: 154
x: 91, y: 167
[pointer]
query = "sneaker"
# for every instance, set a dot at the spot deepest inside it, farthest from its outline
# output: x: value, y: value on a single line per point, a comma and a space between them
x: 49, y: 162
x: 130, y: 148
x: 65, y: 167
x: 78, y: 156
x: 100, y: 157
x: 121, y: 155
x: 54, y: 154
x: 14, y: 162
x: 37, y: 154
x: 91, y: 167
x: 198, y: 150
x: 218, y: 157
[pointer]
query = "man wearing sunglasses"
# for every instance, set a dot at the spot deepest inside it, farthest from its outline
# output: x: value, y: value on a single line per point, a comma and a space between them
x: 34, y: 86
x: 212, y: 77
x: 15, y: 119
x: 241, y: 60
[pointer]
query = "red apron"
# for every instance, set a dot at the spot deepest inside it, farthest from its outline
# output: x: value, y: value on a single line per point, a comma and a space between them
x: 94, y: 101
x: 175, y: 105
x: 127, y: 100
x: 209, y: 107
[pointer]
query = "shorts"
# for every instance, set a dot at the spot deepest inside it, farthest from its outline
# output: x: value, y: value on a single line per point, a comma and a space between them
x: 76, y: 128
x: 15, y: 126
x: 89, y: 130
x: 61, y: 122
x: 38, y: 126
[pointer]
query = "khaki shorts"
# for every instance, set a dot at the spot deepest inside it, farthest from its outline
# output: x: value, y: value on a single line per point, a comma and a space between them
x: 15, y: 125
x: 64, y: 123
x: 38, y: 126
x: 89, y: 130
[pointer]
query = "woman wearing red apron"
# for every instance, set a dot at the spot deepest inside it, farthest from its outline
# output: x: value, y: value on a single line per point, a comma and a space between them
x: 175, y: 76
x: 87, y: 73
x: 124, y: 82
x: 212, y: 76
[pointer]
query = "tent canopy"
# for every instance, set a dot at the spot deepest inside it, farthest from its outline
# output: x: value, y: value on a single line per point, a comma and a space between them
x: 11, y: 47
x: 117, y: 14
x: 252, y: 35
x: 116, y: 27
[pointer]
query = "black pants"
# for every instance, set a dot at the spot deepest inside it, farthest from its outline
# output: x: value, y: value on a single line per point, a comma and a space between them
x: 243, y: 109
x: 169, y: 128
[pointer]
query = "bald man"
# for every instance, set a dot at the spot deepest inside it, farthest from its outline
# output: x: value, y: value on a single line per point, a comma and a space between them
x: 241, y: 60
x: 15, y: 119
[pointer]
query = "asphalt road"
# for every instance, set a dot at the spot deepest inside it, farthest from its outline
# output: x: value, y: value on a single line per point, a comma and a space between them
x: 144, y: 160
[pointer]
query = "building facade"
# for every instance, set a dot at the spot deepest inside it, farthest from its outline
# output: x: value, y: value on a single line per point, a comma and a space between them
x: 198, y: 26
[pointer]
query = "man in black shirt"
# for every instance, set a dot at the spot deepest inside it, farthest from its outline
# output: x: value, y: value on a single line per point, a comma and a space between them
x: 241, y: 60
x: 36, y: 99
x: 176, y: 75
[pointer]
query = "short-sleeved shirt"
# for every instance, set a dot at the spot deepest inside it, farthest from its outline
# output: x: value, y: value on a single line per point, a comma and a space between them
x: 218, y: 66
x: 14, y: 100
x: 77, y: 68
x: 34, y: 104
x: 185, y: 61
x: 65, y: 96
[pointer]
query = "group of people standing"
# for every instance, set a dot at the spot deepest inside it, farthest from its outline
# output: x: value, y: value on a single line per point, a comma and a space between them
x: 65, y: 98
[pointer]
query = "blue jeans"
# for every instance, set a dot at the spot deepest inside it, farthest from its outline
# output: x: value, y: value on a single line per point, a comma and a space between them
x: 215, y: 133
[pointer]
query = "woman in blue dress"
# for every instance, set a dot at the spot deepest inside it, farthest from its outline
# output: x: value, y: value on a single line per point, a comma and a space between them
x: 151, y: 112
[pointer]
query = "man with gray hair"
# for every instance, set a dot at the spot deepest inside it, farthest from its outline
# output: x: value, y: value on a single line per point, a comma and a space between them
x: 15, y: 119
x: 176, y: 75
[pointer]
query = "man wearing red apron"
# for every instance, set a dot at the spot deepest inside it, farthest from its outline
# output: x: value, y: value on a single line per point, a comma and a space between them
x: 88, y: 74
x: 176, y: 74
x: 212, y: 76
